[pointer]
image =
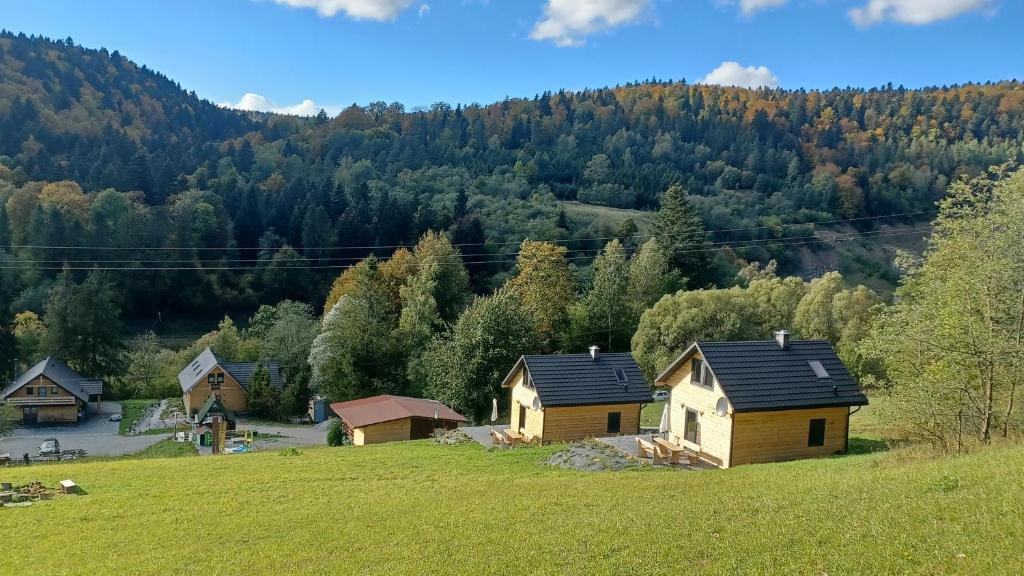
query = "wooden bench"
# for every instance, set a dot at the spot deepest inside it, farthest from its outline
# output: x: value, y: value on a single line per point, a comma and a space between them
x: 645, y: 449
x: 673, y: 452
x: 68, y: 486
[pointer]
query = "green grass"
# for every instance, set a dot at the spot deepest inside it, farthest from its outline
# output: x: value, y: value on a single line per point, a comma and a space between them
x: 167, y: 449
x: 650, y: 414
x: 408, y: 508
x: 131, y: 411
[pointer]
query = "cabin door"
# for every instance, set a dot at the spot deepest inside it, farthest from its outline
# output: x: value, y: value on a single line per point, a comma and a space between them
x: 30, y: 415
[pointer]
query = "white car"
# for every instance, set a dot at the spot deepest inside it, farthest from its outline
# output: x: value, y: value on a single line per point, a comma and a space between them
x: 660, y: 395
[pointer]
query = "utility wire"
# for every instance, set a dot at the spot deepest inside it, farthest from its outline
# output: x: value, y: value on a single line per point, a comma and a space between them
x: 837, y: 238
x: 749, y: 243
x: 396, y: 246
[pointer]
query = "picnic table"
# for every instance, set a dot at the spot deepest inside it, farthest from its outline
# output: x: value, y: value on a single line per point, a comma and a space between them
x: 673, y: 452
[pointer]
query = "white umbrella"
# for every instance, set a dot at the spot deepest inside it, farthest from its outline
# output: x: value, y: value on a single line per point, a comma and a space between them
x: 664, y: 426
x: 494, y: 410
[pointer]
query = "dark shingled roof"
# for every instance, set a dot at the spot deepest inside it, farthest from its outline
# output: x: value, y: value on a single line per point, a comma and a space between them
x: 762, y: 376
x: 240, y: 371
x: 578, y: 380
x: 60, y: 374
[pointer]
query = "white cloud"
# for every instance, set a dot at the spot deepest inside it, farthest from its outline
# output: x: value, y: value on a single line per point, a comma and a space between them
x: 733, y: 74
x: 750, y: 7
x: 381, y: 10
x: 424, y: 9
x: 568, y: 22
x: 916, y: 12
x: 256, y: 103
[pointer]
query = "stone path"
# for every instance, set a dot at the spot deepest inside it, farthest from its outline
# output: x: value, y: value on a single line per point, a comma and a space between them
x: 482, y: 434
x: 627, y: 445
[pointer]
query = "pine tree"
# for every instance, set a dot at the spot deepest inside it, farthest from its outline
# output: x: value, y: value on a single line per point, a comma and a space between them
x: 679, y: 230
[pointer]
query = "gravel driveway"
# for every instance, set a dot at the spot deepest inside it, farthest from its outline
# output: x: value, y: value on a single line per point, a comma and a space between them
x: 95, y: 435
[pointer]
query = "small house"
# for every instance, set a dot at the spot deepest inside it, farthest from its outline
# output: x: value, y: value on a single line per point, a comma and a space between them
x: 393, y: 418
x: 563, y: 397
x: 52, y: 393
x: 760, y: 401
x: 208, y: 376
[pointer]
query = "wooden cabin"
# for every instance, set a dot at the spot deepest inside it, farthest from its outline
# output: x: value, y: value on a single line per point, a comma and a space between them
x: 564, y: 397
x: 52, y: 393
x: 208, y: 376
x: 760, y: 401
x: 394, y: 418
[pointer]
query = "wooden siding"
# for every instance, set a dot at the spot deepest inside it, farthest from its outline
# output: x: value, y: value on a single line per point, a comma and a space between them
x: 392, y: 431
x: 523, y: 396
x: 58, y: 414
x: 231, y: 393
x: 782, y: 435
x: 53, y: 390
x: 714, y: 432
x: 564, y: 423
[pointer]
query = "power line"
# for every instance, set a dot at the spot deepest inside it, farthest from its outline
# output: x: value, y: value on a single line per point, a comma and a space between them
x: 815, y: 240
x: 704, y: 246
x: 506, y: 243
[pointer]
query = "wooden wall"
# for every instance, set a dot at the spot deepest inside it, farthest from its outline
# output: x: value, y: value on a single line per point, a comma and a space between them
x: 52, y: 389
x: 523, y: 396
x: 578, y: 422
x: 231, y: 393
x: 782, y: 435
x: 714, y: 432
x: 392, y: 431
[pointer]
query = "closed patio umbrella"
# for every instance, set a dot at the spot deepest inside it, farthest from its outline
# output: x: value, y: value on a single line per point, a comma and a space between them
x: 494, y: 410
x: 664, y: 426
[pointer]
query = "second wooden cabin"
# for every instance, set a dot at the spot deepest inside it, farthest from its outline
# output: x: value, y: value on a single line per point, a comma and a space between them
x: 562, y: 397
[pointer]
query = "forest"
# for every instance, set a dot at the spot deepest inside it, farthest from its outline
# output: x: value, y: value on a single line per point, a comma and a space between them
x: 370, y: 248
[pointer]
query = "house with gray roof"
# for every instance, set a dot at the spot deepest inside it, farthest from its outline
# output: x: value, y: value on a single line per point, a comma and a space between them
x: 52, y: 393
x: 229, y: 382
x: 561, y: 397
x: 760, y: 401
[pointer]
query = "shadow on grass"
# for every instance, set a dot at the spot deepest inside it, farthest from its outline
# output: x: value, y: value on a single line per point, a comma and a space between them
x: 866, y: 446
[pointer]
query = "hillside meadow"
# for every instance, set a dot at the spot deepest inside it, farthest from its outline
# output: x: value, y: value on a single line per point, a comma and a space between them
x: 419, y: 507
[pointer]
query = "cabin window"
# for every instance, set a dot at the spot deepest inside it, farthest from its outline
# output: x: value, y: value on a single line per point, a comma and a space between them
x: 214, y: 381
x: 42, y: 391
x: 209, y: 379
x: 29, y: 391
x: 620, y: 376
x: 522, y: 417
x: 816, y: 432
x: 614, y: 422
x: 696, y: 371
x: 690, y: 426
x: 220, y: 378
x: 53, y: 390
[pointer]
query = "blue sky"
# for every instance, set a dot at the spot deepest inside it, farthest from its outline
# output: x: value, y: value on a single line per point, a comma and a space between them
x: 336, y: 52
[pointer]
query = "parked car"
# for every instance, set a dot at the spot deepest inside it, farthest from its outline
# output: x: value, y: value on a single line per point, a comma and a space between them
x: 114, y: 418
x: 49, y: 447
x: 660, y: 395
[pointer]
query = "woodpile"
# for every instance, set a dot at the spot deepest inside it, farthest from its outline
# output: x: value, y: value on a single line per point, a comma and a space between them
x: 25, y: 493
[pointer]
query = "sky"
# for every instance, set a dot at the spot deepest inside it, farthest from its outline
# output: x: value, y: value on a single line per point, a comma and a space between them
x: 300, y: 55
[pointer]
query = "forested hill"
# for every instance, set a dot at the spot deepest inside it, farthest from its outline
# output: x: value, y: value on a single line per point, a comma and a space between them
x: 155, y: 167
x: 93, y: 116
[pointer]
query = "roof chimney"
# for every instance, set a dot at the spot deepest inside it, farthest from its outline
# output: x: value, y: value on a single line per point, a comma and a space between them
x: 594, y: 352
x: 782, y: 338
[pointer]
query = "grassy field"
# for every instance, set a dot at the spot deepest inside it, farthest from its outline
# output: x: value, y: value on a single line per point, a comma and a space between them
x: 131, y: 411
x: 409, y: 508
